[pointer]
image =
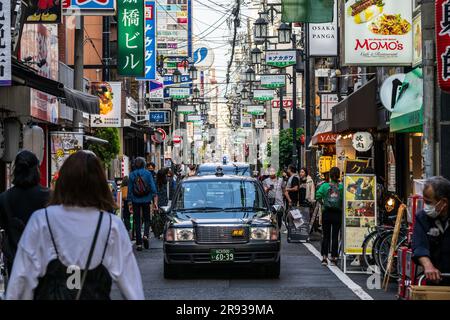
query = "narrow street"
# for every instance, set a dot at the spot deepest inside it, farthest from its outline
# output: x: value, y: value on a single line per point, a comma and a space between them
x: 302, y: 278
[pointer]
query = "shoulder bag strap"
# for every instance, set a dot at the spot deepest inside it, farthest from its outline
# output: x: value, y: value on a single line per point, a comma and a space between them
x: 107, y: 239
x: 91, y: 252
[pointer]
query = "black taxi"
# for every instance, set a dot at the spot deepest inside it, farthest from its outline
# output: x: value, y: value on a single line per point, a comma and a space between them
x: 221, y: 219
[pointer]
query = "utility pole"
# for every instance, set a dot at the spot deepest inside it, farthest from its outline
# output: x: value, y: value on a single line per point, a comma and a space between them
x: 106, y: 48
x: 78, y: 68
x: 294, y: 106
x: 429, y: 114
x: 307, y: 79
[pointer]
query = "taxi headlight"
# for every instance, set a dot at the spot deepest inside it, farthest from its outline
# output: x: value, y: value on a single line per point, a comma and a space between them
x: 260, y: 233
x: 184, y: 234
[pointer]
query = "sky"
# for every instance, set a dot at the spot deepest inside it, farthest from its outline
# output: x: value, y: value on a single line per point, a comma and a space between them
x: 212, y: 24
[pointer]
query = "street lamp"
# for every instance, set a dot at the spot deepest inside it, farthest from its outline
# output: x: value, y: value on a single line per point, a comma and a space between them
x: 244, y: 94
x: 176, y: 76
x: 250, y: 75
x: 195, y: 93
x: 284, y: 33
x: 256, y: 56
x: 260, y: 30
x: 193, y: 73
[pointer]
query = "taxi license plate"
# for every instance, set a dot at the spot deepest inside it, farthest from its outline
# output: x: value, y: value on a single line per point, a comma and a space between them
x: 222, y: 255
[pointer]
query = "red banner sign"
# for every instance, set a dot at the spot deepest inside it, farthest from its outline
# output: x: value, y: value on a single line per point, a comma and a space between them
x: 443, y: 43
x: 288, y: 103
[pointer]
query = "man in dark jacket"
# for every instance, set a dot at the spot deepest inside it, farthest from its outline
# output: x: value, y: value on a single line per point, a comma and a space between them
x: 142, y: 202
x: 19, y: 202
x: 431, y: 236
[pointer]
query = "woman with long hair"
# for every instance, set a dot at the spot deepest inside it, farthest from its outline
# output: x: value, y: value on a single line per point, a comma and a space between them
x: 76, y: 247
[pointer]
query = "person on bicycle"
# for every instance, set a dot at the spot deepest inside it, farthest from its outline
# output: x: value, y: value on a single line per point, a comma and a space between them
x: 19, y: 202
x: 331, y: 195
x: 431, y: 235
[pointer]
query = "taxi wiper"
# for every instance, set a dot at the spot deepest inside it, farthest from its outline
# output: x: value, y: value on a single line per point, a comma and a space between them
x: 245, y: 209
x: 204, y: 209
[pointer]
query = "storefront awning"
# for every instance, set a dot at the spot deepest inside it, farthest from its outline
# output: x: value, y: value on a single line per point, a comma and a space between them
x: 358, y: 111
x: 324, y: 134
x: 407, y: 115
x: 26, y: 76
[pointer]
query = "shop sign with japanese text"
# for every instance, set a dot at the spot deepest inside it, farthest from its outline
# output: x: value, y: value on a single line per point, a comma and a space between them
x: 362, y: 141
x: 256, y: 110
x: 273, y: 81
x: 150, y: 40
x: 443, y: 43
x: 5, y: 43
x: 287, y: 103
x: 417, y: 29
x: 179, y: 93
x: 110, y: 96
x: 186, y: 109
x: 327, y: 102
x: 130, y: 20
x: 263, y: 95
x: 88, y: 7
x: 378, y: 32
x: 281, y: 58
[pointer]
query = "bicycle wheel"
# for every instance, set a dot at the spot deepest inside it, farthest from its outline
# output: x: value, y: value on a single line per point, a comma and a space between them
x: 383, y: 255
x: 367, y: 261
x: 377, y: 246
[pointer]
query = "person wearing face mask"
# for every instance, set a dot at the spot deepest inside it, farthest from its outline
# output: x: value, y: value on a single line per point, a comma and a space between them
x: 431, y: 235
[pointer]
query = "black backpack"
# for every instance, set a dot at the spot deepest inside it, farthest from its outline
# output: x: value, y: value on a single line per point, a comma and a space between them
x: 140, y: 187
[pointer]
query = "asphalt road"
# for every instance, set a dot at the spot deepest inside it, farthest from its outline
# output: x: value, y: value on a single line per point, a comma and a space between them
x: 302, y: 278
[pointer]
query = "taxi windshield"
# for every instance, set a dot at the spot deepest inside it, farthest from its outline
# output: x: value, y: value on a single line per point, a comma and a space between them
x: 219, y: 195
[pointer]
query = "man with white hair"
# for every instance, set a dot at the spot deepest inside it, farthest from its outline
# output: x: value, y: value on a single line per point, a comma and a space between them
x: 274, y: 186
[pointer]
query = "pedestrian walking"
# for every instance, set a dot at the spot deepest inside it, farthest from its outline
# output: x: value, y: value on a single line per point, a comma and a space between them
x: 151, y: 167
x: 331, y: 196
x: 274, y: 186
x: 19, y: 202
x: 431, y: 235
x: 141, y: 192
x: 307, y: 190
x: 76, y: 247
x: 292, y: 187
x: 126, y: 206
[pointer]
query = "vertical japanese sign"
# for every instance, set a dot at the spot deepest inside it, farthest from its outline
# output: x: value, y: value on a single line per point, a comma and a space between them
x: 360, y: 206
x: 150, y: 41
x: 110, y: 96
x: 174, y: 28
x: 443, y: 43
x: 40, y: 42
x: 131, y: 38
x: 5, y: 43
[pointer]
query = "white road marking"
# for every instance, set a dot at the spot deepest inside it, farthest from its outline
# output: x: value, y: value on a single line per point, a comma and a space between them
x: 341, y: 275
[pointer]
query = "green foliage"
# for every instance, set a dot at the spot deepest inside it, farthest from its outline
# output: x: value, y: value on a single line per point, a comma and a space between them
x: 106, y: 152
x: 286, y: 145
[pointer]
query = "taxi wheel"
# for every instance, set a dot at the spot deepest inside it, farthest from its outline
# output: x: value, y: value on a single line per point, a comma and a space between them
x: 170, y: 271
x: 273, y: 270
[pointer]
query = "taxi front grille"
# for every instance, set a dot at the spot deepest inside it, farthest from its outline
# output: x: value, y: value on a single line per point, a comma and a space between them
x: 220, y: 234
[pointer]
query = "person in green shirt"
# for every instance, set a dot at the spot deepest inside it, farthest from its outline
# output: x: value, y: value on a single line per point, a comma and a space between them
x: 331, y: 195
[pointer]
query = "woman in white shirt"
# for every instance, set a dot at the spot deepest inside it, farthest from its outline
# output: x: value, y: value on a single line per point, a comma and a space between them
x: 75, y: 233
